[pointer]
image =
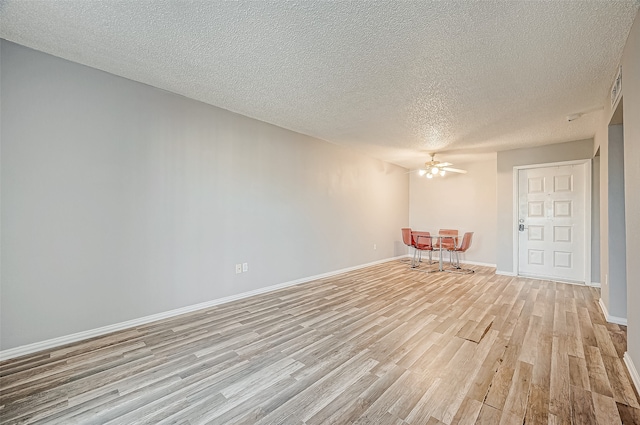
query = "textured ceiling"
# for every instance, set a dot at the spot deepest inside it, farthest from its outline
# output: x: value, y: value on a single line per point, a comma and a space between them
x: 394, y: 79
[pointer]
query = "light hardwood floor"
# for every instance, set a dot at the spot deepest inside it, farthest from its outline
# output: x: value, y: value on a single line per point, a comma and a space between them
x: 381, y: 345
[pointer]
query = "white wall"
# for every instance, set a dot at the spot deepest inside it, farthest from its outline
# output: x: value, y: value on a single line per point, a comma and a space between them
x: 466, y: 202
x: 120, y: 201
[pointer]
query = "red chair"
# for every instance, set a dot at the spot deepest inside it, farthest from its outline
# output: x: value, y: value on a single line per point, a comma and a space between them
x: 448, y: 243
x: 407, y: 238
x: 464, y: 246
x: 422, y: 242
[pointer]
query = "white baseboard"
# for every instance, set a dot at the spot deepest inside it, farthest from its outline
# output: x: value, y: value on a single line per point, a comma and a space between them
x: 632, y: 370
x: 512, y: 274
x: 610, y: 318
x: 91, y: 333
x: 548, y: 279
x: 463, y: 261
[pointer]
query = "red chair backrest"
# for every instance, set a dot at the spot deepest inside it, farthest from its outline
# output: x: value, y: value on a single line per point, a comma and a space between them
x: 466, y: 242
x: 423, y: 243
x: 448, y: 243
x: 406, y: 236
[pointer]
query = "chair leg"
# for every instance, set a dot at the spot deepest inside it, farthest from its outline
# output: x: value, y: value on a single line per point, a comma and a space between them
x: 457, y: 268
x: 407, y: 260
x: 417, y: 258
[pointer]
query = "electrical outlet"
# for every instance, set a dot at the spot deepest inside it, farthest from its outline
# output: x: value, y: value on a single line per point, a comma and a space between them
x: 238, y: 268
x: 245, y: 267
x: 375, y: 246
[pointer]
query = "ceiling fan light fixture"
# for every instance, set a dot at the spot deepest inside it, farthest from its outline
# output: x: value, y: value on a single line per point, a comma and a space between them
x: 436, y: 168
x: 422, y: 172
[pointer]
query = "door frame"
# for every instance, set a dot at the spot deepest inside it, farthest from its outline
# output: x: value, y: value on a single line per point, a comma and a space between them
x: 587, y: 213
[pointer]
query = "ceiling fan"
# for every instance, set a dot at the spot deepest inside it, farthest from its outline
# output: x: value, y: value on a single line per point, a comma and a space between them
x: 436, y: 168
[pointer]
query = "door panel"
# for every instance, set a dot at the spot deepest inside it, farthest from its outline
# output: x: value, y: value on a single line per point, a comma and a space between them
x: 551, y: 208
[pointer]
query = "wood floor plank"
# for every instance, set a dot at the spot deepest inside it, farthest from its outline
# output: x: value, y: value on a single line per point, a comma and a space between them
x: 620, y: 382
x: 415, y: 387
x: 343, y: 402
x: 605, y: 409
x: 579, y: 373
x: 381, y: 406
x: 382, y: 344
x: 582, y: 410
x: 560, y: 382
x: 356, y: 408
x: 598, y: 379
x: 605, y: 343
x: 452, y: 389
x: 575, y: 346
x: 501, y: 381
x: 537, y: 411
x: 628, y: 415
x: 488, y: 415
x: 515, y: 405
x: 468, y: 412
x: 463, y: 375
x: 618, y: 336
x: 481, y: 329
x: 421, y: 413
x: 482, y: 382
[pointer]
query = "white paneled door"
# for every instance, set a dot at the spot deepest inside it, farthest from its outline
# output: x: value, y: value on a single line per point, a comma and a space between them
x: 551, y: 222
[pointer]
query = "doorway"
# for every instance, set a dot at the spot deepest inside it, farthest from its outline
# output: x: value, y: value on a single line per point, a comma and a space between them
x: 553, y: 215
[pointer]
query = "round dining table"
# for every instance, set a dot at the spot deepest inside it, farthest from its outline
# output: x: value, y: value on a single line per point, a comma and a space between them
x: 438, y: 242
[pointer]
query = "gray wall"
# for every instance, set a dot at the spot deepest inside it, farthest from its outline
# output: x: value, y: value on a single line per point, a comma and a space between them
x: 581, y: 149
x: 595, y: 220
x: 120, y: 201
x: 631, y: 93
x: 631, y: 134
x: 614, y: 293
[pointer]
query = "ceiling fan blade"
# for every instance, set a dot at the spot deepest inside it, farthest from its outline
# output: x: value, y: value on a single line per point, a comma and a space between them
x: 454, y: 170
x: 444, y: 164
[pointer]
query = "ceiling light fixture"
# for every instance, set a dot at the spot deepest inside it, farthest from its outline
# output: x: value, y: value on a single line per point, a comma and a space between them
x: 435, y: 168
